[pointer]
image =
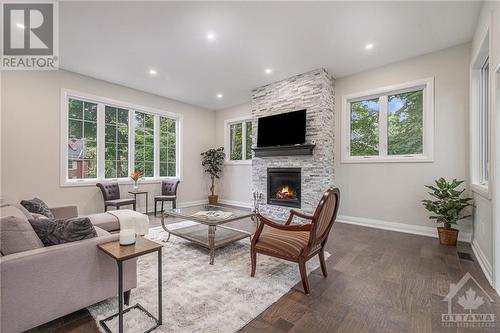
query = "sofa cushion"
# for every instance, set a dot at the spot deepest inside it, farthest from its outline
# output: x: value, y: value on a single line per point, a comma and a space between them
x: 105, y: 221
x: 36, y: 205
x: 58, y: 231
x: 17, y: 235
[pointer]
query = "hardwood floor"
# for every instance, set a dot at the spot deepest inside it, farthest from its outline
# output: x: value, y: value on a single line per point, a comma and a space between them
x: 378, y: 281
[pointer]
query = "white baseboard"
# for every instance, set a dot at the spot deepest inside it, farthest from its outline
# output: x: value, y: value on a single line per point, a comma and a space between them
x: 236, y: 203
x: 399, y: 227
x: 483, y: 261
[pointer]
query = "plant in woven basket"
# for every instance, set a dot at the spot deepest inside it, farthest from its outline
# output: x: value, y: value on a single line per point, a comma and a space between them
x: 448, y: 206
x: 212, y: 161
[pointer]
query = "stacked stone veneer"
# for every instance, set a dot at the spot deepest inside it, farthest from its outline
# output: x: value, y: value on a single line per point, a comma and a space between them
x: 313, y: 91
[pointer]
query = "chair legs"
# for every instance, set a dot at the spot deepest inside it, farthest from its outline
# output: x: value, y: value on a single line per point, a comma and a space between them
x: 155, y: 206
x: 322, y: 262
x: 162, y: 206
x: 133, y: 205
x: 303, y: 276
x: 253, y: 255
x: 174, y: 204
x: 126, y: 297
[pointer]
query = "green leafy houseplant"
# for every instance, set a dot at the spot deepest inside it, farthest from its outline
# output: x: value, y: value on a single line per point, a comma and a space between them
x: 447, y: 207
x: 212, y: 161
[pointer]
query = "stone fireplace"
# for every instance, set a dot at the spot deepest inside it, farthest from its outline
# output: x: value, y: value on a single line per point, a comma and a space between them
x: 284, y: 187
x: 313, y: 91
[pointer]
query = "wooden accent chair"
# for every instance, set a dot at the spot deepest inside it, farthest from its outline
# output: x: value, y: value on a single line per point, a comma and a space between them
x: 168, y: 193
x: 298, y: 242
x: 111, y: 195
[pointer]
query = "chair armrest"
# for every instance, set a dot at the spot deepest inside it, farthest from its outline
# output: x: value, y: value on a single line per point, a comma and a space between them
x: 294, y: 227
x: 294, y: 212
x: 65, y: 212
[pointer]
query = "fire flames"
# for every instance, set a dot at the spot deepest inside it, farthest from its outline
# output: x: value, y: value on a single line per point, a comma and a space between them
x: 285, y: 193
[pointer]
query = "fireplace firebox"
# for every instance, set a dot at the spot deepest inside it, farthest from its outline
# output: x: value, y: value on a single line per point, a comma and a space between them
x: 283, y: 187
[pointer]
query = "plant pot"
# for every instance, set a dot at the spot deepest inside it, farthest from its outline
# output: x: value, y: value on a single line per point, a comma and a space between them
x: 212, y: 199
x: 447, y: 236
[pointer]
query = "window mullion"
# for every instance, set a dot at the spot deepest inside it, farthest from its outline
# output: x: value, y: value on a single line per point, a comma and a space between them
x: 383, y: 126
x: 100, y: 140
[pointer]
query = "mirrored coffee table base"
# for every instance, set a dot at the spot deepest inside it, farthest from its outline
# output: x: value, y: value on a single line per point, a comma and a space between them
x: 208, y: 234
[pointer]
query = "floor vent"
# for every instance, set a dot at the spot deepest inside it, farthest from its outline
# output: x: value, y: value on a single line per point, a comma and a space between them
x: 465, y: 256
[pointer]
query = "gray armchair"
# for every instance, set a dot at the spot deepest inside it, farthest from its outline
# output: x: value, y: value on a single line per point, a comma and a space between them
x: 111, y: 195
x: 168, y: 193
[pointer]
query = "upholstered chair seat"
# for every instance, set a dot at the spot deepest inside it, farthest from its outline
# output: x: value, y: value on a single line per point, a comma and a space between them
x: 297, y: 242
x: 284, y: 243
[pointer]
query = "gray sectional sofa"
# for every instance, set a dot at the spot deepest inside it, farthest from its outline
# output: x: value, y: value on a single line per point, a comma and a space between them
x: 44, y: 283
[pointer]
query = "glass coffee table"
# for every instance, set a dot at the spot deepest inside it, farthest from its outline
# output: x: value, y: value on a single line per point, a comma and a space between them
x: 209, y: 232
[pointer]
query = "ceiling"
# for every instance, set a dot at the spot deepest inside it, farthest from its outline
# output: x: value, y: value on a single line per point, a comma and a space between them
x: 121, y: 42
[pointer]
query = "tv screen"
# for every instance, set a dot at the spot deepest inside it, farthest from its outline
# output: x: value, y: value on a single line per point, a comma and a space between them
x: 282, y: 129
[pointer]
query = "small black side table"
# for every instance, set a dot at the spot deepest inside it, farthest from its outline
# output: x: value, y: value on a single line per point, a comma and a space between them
x: 136, y: 192
x: 121, y: 253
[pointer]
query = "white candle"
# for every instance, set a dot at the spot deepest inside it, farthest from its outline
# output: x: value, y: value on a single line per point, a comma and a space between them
x: 127, y: 236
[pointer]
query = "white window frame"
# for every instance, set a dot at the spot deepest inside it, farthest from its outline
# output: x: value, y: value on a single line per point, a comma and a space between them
x: 66, y: 94
x: 476, y: 117
x: 227, y: 139
x: 427, y: 155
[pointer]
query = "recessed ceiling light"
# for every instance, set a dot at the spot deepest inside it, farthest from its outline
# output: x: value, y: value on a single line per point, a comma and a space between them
x: 369, y: 46
x: 153, y: 71
x: 20, y: 26
x: 210, y: 36
x: 268, y: 70
x: 219, y: 96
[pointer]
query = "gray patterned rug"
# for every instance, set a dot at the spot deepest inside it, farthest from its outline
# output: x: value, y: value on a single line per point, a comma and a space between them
x: 198, y: 297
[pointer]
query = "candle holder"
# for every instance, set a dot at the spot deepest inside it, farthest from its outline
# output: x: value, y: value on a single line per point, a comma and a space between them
x: 127, y: 237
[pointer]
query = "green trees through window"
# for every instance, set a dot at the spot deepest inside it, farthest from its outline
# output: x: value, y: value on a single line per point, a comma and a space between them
x: 240, y: 141
x: 144, y: 144
x: 105, y: 141
x: 82, y: 139
x: 403, y: 131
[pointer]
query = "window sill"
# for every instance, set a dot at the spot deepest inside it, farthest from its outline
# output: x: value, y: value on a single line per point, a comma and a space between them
x: 121, y: 181
x: 243, y: 162
x: 405, y: 159
x: 482, y: 190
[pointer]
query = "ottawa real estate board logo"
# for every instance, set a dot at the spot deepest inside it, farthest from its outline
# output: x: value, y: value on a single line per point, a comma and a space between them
x: 29, y: 36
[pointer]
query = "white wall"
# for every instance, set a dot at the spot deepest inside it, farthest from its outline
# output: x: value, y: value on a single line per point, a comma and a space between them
x: 374, y: 193
x: 30, y: 134
x: 235, y: 186
x: 486, y: 234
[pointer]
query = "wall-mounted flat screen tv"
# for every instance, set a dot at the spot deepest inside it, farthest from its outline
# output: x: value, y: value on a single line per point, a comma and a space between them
x: 283, y: 129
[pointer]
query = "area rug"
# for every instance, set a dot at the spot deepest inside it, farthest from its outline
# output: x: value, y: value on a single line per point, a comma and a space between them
x: 198, y: 297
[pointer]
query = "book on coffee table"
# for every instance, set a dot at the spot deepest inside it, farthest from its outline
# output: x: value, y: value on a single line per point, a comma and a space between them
x: 213, y: 214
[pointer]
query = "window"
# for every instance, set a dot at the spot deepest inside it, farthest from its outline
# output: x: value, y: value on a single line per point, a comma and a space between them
x: 116, y: 142
x: 82, y: 139
x: 392, y: 124
x: 105, y: 139
x: 144, y: 143
x: 168, y: 147
x: 484, y: 123
x: 238, y: 140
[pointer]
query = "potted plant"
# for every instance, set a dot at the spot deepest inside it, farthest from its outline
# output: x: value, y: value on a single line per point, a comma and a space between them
x: 212, y: 161
x: 447, y: 208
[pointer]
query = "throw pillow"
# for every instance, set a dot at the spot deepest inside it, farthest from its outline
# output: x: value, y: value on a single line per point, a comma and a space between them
x: 58, y: 231
x: 36, y: 205
x: 17, y: 235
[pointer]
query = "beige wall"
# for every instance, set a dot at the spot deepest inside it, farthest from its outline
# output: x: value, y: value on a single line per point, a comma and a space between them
x: 236, y: 183
x: 30, y: 134
x: 391, y: 192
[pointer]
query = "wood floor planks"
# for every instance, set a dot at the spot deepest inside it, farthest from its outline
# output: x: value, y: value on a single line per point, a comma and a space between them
x: 378, y: 281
